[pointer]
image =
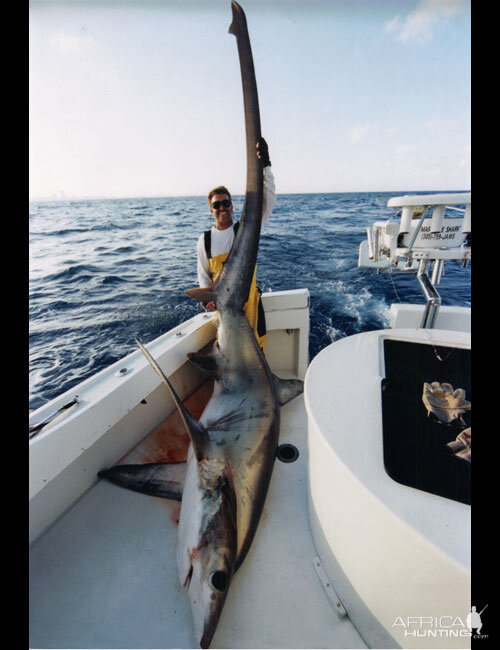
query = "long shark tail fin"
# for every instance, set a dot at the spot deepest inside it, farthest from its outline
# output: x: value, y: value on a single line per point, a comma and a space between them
x: 198, y: 434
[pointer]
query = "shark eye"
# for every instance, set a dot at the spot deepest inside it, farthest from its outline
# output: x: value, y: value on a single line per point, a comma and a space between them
x: 218, y: 580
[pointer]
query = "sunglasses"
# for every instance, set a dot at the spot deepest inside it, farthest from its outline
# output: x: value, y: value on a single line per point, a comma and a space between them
x: 226, y: 203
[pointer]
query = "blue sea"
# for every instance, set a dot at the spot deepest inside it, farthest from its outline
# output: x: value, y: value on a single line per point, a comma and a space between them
x: 105, y: 272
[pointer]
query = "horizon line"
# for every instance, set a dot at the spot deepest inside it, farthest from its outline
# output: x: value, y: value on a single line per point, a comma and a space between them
x: 99, y: 197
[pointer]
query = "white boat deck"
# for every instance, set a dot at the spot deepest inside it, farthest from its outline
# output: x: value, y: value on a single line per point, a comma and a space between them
x: 105, y: 574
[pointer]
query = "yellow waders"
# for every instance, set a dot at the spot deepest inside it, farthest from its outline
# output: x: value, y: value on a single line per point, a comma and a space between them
x: 253, y: 306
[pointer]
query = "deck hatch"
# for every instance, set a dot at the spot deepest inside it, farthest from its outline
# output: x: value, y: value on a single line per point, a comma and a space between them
x: 416, y: 451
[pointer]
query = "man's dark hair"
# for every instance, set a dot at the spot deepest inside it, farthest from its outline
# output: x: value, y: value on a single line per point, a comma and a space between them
x: 218, y: 190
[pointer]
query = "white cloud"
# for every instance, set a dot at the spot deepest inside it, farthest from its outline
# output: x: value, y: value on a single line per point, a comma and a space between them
x: 419, y: 23
x: 440, y: 124
x: 360, y: 131
x: 393, y: 26
x: 406, y: 148
x: 71, y: 44
x: 93, y: 62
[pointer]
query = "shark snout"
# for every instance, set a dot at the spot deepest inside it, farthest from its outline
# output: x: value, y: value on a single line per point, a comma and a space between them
x: 208, y: 594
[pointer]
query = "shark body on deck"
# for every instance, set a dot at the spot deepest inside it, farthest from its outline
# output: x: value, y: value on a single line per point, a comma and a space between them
x: 233, y: 444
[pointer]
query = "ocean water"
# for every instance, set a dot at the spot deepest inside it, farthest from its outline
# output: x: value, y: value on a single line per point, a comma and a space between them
x: 105, y: 272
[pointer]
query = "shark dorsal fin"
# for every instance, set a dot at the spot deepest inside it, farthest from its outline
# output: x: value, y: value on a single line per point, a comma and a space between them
x: 203, y: 295
x: 197, y: 433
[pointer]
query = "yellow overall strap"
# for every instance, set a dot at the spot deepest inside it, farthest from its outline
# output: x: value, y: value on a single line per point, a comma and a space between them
x: 253, y: 306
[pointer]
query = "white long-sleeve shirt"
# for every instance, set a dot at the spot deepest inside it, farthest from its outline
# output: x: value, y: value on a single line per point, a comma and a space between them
x: 222, y: 240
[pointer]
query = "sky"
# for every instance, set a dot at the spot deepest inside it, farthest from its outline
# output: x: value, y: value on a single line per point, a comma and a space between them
x: 144, y: 99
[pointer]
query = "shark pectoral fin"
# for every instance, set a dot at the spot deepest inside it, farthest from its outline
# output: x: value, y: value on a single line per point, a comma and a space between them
x: 288, y: 389
x: 207, y: 364
x: 205, y: 359
x: 203, y: 295
x: 156, y: 479
x: 197, y: 433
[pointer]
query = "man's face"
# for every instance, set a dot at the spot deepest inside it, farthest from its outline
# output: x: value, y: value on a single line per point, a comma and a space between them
x: 223, y: 214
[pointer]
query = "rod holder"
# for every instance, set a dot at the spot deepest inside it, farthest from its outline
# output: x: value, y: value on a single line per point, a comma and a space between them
x: 406, y: 216
x: 437, y: 271
x: 369, y: 238
x: 432, y: 297
x: 437, y: 218
x: 373, y: 242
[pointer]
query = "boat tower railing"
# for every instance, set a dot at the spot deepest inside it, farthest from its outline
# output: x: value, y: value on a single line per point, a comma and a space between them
x: 432, y: 229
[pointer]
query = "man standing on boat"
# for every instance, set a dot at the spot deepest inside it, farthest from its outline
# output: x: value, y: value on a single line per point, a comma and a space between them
x: 214, y: 244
